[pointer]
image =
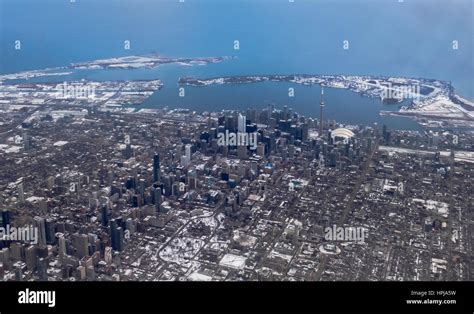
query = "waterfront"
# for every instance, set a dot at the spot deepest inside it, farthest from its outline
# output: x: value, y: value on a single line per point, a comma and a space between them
x: 296, y: 38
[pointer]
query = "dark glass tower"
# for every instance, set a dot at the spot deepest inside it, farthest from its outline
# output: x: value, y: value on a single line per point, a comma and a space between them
x: 156, y: 168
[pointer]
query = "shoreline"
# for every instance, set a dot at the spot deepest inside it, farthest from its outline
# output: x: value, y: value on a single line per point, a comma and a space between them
x: 432, y: 98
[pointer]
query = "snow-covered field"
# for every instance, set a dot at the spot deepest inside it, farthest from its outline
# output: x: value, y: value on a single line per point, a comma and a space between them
x: 233, y: 261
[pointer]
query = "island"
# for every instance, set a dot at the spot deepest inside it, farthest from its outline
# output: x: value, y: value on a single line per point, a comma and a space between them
x: 18, y: 90
x: 127, y: 62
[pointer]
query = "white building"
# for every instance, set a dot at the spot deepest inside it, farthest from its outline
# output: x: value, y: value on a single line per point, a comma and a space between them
x: 242, y: 124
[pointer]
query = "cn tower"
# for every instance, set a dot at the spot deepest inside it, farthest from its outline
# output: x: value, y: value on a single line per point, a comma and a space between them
x: 321, y: 106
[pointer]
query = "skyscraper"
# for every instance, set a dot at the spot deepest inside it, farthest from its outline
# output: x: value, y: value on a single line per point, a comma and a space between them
x: 108, y: 255
x: 157, y: 196
x: 321, y: 107
x: 62, y: 245
x: 242, y: 123
x: 188, y: 152
x: 6, y: 216
x: 21, y: 194
x: 50, y: 231
x: 39, y: 223
x: 186, y: 159
x: 104, y: 219
x: 116, y: 235
x: 142, y: 189
x: 128, y: 151
x: 156, y: 167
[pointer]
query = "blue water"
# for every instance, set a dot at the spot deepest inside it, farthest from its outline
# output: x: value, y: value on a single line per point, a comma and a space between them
x: 413, y: 38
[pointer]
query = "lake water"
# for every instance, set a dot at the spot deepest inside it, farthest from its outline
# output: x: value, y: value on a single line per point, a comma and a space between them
x: 413, y: 38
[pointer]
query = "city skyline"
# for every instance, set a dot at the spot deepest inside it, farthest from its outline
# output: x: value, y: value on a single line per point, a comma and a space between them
x: 326, y: 144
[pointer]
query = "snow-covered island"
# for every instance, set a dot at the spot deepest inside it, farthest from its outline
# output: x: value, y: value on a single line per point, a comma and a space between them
x: 19, y: 89
x: 146, y: 61
x: 430, y: 100
x: 127, y: 62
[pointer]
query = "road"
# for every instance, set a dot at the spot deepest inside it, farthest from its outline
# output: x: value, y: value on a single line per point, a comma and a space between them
x: 349, y: 205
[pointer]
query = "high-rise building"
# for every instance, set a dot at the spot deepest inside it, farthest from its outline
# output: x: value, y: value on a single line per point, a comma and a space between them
x: 21, y: 194
x: 26, y: 141
x: 40, y: 224
x: 50, y: 231
x: 4, y: 255
x: 6, y: 217
x: 104, y: 215
x: 242, y: 123
x: 108, y: 255
x: 231, y: 123
x: 186, y: 159
x: 62, y: 245
x: 130, y: 225
x: 113, y: 233
x: 333, y: 158
x: 120, y: 235
x: 50, y: 182
x: 81, y: 243
x: 142, y: 185
x: 167, y: 182
x: 116, y: 235
x: 110, y: 178
x: 94, y: 243
x: 156, y: 167
x: 285, y: 112
x: 42, y: 266
x: 304, y: 132
x: 261, y: 150
x: 157, y: 196
x: 128, y: 152
x: 188, y: 152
